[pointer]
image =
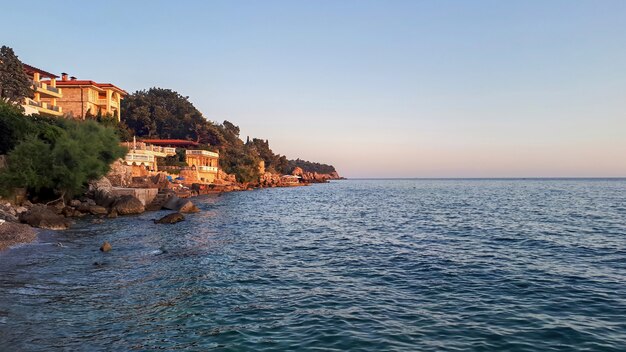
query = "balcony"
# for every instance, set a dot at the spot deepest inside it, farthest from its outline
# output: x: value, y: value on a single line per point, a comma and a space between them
x: 103, y: 102
x: 143, y: 148
x: 47, y: 90
x: 202, y: 153
x: 46, y: 108
x: 139, y: 158
x: 210, y: 169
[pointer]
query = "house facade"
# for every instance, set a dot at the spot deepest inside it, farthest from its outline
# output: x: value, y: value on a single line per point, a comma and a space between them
x: 82, y: 98
x: 46, y: 94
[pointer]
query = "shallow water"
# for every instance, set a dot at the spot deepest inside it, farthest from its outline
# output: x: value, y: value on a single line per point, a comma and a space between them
x: 361, y: 265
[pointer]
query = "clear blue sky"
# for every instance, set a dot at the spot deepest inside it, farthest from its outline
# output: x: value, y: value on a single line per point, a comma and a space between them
x: 377, y: 88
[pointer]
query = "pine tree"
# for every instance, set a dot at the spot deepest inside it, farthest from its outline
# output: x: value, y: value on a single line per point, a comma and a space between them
x: 14, y: 83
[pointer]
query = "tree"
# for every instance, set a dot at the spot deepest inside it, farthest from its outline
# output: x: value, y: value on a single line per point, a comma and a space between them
x: 63, y: 161
x: 163, y: 113
x: 14, y: 83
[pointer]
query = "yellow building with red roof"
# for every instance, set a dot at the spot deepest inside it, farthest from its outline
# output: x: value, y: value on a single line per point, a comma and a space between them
x: 46, y: 94
x: 82, y: 98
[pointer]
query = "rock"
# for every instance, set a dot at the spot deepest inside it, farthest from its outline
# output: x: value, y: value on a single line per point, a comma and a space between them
x: 112, y: 214
x: 188, y: 207
x: 90, y: 202
x: 57, y: 207
x: 12, y: 233
x: 128, y: 205
x: 7, y: 216
x: 20, y: 210
x: 68, y: 212
x: 75, y: 203
x: 170, y: 219
x: 45, y: 218
x: 105, y: 199
x: 180, y: 205
x: 106, y: 246
x: 171, y: 203
x: 102, y: 184
x: 97, y: 221
x: 97, y: 210
x: 83, y: 207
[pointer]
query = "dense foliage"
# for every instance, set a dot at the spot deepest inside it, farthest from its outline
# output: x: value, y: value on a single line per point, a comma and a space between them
x: 309, y: 166
x: 14, y: 83
x: 54, y: 157
x: 164, y: 113
x: 274, y: 163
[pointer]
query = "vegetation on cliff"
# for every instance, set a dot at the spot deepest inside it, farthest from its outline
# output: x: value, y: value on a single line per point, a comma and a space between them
x: 308, y: 166
x: 164, y: 113
x: 51, y: 157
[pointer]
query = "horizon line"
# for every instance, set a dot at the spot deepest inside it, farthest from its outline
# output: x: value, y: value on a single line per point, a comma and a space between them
x: 493, y: 178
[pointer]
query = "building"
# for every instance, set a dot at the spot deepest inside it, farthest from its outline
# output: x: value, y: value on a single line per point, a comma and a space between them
x: 202, y: 165
x: 82, y: 98
x: 142, y: 157
x: 46, y: 94
x: 205, y: 163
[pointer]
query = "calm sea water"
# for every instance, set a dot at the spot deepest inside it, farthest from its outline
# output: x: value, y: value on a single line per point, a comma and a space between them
x: 361, y: 265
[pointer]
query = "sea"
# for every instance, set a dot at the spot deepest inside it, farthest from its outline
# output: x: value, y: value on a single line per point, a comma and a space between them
x: 354, y: 265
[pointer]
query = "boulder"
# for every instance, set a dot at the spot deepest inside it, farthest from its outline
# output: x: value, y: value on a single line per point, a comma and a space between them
x: 170, y: 219
x: 106, y: 246
x: 105, y: 199
x: 180, y: 205
x: 68, y: 211
x: 188, y: 207
x: 75, y: 203
x: 102, y: 185
x: 45, y: 218
x: 12, y: 233
x: 112, y: 214
x: 97, y: 210
x: 128, y: 205
x: 7, y: 216
x: 19, y: 210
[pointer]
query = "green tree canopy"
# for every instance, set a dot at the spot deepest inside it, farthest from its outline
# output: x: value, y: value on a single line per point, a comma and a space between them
x: 164, y: 113
x: 58, y: 156
x: 14, y: 83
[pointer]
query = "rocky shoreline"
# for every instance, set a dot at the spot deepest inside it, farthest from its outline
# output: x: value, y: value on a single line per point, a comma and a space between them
x: 19, y: 220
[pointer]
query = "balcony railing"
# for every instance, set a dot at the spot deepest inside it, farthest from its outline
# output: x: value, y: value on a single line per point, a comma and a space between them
x: 149, y: 147
x: 139, y: 157
x: 46, y: 87
x: 202, y: 152
x: 207, y: 169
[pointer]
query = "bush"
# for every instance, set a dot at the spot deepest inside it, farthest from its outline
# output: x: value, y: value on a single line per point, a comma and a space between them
x: 57, y: 156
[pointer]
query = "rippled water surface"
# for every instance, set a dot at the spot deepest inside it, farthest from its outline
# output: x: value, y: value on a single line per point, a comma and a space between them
x: 362, y: 265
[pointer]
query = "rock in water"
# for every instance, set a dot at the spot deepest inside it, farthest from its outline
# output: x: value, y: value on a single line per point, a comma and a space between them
x: 45, y: 218
x: 188, y: 207
x: 106, y: 246
x: 170, y: 219
x: 180, y: 205
x: 12, y: 233
x: 127, y: 205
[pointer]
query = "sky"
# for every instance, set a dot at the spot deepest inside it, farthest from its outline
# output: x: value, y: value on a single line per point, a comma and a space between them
x: 383, y: 88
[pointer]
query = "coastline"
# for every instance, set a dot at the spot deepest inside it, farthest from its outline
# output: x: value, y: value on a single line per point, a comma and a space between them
x: 22, y: 223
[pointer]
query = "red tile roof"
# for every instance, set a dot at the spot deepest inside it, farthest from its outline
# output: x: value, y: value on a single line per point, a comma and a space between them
x: 32, y: 69
x: 82, y: 82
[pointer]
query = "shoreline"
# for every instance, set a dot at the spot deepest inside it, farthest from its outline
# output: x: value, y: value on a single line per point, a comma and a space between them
x: 17, y: 231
